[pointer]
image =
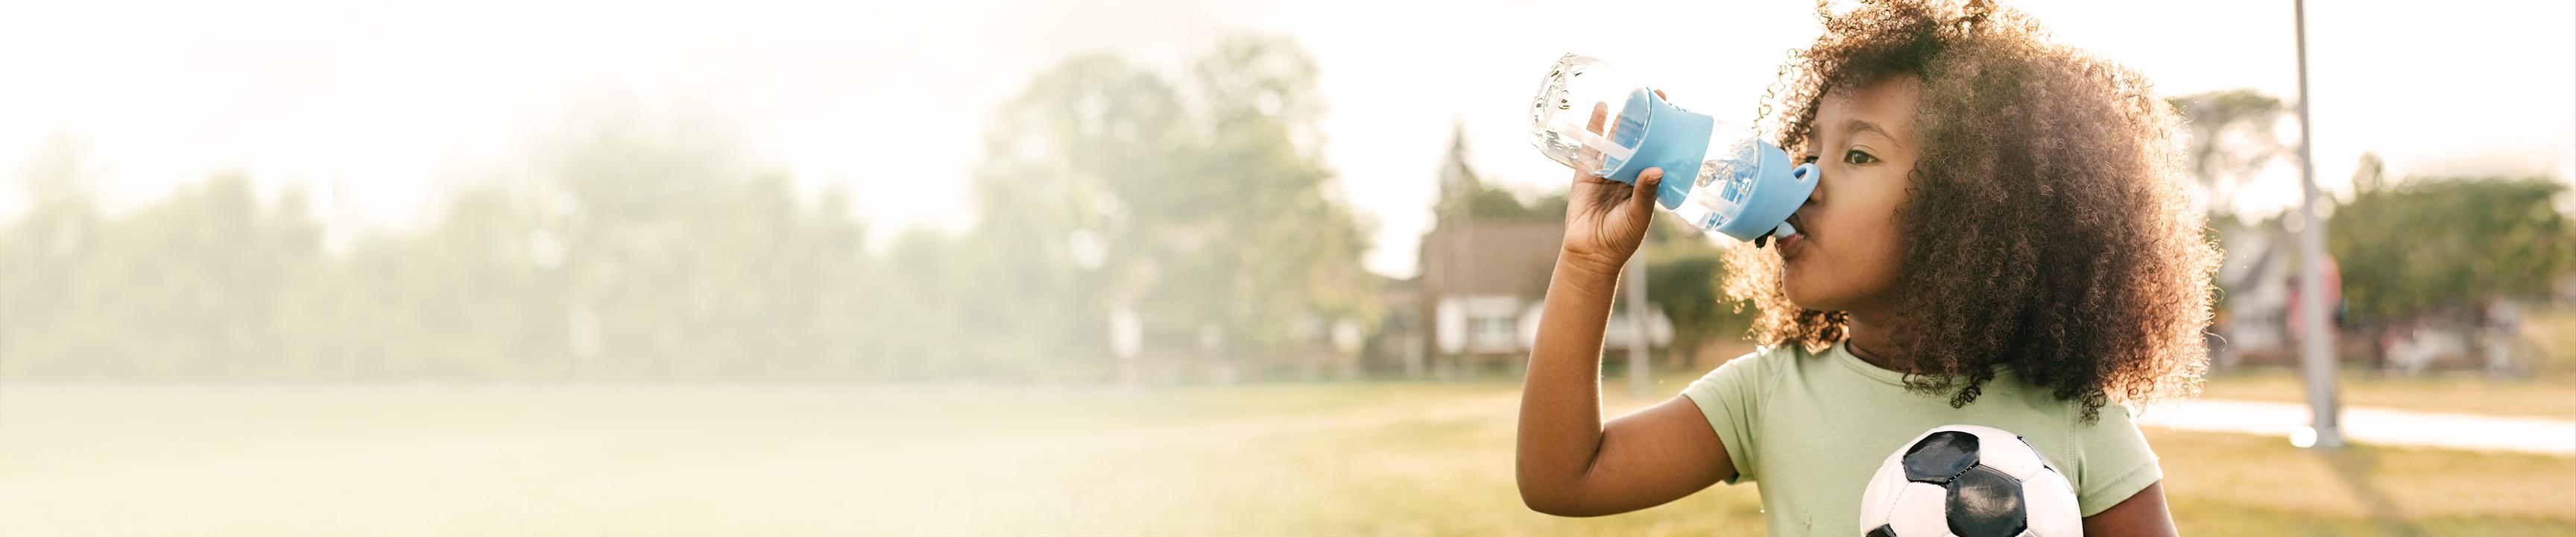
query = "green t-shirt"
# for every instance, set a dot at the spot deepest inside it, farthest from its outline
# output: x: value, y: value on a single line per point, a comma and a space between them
x: 1813, y: 427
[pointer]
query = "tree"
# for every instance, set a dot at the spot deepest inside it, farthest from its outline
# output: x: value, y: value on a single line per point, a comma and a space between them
x: 190, y: 287
x: 2369, y: 174
x: 1078, y: 169
x: 1300, y: 245
x: 2231, y: 139
x: 681, y: 257
x: 2429, y: 245
x: 1685, y: 275
x: 1464, y: 194
x: 645, y: 247
x: 43, y: 256
x: 1107, y: 186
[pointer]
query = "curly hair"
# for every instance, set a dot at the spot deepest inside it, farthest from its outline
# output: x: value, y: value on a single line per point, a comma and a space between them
x: 2047, y: 226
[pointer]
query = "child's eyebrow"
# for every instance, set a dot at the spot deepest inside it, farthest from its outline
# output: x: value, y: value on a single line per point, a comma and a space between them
x: 1858, y: 126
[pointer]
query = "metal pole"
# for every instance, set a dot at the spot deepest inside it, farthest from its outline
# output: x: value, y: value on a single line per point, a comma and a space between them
x: 2316, y: 347
x: 1635, y: 287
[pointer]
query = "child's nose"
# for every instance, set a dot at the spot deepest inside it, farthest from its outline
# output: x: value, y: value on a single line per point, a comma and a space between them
x: 1818, y: 194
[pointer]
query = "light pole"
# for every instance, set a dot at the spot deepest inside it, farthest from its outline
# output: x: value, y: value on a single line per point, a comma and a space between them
x: 2316, y: 347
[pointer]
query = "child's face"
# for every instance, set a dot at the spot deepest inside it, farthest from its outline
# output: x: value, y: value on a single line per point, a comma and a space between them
x: 1865, y: 146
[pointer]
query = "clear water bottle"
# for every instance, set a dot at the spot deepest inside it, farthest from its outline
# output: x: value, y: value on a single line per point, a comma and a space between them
x: 1717, y: 176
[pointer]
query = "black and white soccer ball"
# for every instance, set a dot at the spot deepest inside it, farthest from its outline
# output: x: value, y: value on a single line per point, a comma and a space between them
x: 1969, y: 481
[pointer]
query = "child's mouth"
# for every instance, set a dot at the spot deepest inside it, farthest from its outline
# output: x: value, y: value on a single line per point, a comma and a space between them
x: 1790, y: 245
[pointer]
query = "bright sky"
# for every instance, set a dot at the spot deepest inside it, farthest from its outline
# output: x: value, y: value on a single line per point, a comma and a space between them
x: 378, y: 108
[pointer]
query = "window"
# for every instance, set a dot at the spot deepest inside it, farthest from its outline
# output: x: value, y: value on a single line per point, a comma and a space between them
x: 1489, y: 333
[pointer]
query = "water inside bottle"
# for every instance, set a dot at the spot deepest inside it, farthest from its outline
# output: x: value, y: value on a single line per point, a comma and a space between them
x: 1563, y: 114
x: 1718, y: 194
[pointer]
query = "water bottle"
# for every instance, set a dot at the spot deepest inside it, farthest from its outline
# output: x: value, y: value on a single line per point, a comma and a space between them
x: 1717, y: 176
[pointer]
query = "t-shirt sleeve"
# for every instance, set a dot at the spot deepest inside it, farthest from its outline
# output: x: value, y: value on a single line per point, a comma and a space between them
x: 2114, y: 461
x: 1730, y: 397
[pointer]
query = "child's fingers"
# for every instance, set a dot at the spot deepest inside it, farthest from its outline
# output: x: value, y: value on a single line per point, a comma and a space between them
x: 1600, y: 116
x: 1644, y: 193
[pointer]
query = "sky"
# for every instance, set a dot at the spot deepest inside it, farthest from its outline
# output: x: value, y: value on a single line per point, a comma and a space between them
x: 377, y: 109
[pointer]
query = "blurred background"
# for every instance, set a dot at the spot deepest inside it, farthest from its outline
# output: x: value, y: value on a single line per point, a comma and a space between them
x: 1136, y: 267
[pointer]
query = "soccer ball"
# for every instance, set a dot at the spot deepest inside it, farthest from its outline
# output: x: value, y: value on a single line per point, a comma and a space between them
x: 1969, y: 481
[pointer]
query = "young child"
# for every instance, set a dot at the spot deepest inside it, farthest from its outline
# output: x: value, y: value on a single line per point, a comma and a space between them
x: 2000, y: 238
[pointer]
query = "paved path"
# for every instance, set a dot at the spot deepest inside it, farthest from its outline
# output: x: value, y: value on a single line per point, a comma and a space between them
x: 2368, y: 425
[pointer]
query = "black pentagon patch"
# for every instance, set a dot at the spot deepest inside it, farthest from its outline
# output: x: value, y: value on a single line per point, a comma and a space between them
x: 1983, y: 502
x: 1939, y: 457
x: 1881, y: 531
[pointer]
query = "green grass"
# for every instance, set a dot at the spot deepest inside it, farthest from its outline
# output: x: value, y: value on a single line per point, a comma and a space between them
x: 2549, y: 343
x: 1402, y: 459
x: 2551, y: 333
x: 2247, y: 485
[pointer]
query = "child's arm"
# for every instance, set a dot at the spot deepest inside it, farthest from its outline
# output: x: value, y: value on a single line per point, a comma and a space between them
x: 1568, y: 463
x: 2142, y: 514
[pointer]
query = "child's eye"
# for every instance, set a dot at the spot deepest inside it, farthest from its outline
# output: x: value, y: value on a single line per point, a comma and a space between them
x: 1856, y: 157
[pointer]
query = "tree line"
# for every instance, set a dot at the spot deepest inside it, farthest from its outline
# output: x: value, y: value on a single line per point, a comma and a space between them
x: 644, y: 250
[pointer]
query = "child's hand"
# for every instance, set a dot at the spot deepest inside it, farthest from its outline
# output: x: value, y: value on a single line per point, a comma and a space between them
x: 1606, y: 220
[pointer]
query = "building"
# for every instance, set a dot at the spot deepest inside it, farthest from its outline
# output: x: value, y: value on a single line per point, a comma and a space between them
x: 1477, y: 302
x: 1473, y: 309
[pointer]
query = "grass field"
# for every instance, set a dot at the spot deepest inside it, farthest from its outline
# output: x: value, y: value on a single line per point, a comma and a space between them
x: 2549, y: 336
x: 1394, y: 459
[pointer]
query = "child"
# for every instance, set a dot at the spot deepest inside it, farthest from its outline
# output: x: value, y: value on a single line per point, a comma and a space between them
x: 1999, y: 238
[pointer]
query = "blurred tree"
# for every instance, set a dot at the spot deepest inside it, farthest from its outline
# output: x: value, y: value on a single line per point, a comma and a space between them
x: 2370, y: 173
x: 1106, y: 187
x: 917, y: 325
x: 191, y: 287
x: 2231, y: 139
x: 43, y: 255
x: 841, y: 344
x: 649, y: 247
x: 2430, y: 245
x: 1685, y: 273
x: 459, y: 301
x: 1464, y: 194
x: 1292, y: 250
x: 681, y: 259
x: 1082, y: 168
